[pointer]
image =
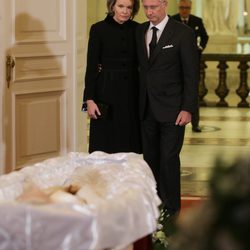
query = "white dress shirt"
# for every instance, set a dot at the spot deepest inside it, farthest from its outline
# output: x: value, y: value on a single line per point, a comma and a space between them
x: 160, y: 26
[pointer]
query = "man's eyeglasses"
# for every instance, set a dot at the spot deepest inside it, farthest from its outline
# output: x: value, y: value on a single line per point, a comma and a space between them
x: 184, y: 8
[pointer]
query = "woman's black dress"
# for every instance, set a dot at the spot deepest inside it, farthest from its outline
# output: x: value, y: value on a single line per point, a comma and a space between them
x: 112, y: 78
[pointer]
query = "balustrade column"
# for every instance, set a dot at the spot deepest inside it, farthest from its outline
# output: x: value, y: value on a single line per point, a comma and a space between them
x: 202, y: 86
x: 222, y: 90
x: 243, y: 89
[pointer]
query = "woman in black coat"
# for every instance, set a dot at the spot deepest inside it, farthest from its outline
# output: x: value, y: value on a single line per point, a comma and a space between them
x: 111, y: 81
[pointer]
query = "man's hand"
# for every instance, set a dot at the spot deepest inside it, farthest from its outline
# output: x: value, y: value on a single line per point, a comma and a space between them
x: 183, y: 118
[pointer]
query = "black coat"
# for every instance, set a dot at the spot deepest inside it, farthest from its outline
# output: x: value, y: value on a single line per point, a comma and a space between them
x: 197, y: 25
x: 112, y: 78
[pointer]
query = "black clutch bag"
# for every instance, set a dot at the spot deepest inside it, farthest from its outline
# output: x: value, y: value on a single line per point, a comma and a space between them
x: 104, y: 110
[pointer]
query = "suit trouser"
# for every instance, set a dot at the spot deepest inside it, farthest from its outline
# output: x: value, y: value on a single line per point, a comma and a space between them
x: 195, y: 118
x: 162, y: 143
x: 196, y: 114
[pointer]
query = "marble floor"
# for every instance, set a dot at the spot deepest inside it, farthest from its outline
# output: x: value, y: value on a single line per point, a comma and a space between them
x: 225, y: 134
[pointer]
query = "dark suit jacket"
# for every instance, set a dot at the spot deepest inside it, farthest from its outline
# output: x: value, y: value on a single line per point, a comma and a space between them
x: 170, y: 77
x: 197, y: 25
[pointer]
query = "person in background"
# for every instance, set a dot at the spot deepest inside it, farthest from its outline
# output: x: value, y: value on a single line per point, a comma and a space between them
x: 169, y: 74
x: 202, y: 37
x: 111, y: 81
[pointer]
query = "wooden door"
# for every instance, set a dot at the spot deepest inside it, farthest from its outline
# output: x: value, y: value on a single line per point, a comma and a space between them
x: 38, y: 98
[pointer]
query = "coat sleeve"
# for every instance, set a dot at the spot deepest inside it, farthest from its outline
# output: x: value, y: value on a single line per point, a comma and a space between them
x: 93, y: 61
x: 203, y: 35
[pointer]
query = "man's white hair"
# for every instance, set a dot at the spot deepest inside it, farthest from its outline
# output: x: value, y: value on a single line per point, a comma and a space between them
x: 190, y: 1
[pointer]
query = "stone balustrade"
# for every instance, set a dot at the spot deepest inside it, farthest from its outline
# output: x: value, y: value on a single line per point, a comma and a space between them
x: 222, y: 89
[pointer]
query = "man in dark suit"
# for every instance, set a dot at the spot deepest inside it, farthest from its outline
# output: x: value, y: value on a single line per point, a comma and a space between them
x: 168, y: 65
x: 197, y: 25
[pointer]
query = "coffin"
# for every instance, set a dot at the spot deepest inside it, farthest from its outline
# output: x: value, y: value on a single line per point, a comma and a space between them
x: 115, y: 205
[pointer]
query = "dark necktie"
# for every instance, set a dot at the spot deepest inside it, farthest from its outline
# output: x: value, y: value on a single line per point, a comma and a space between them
x: 153, y: 41
x: 185, y: 21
